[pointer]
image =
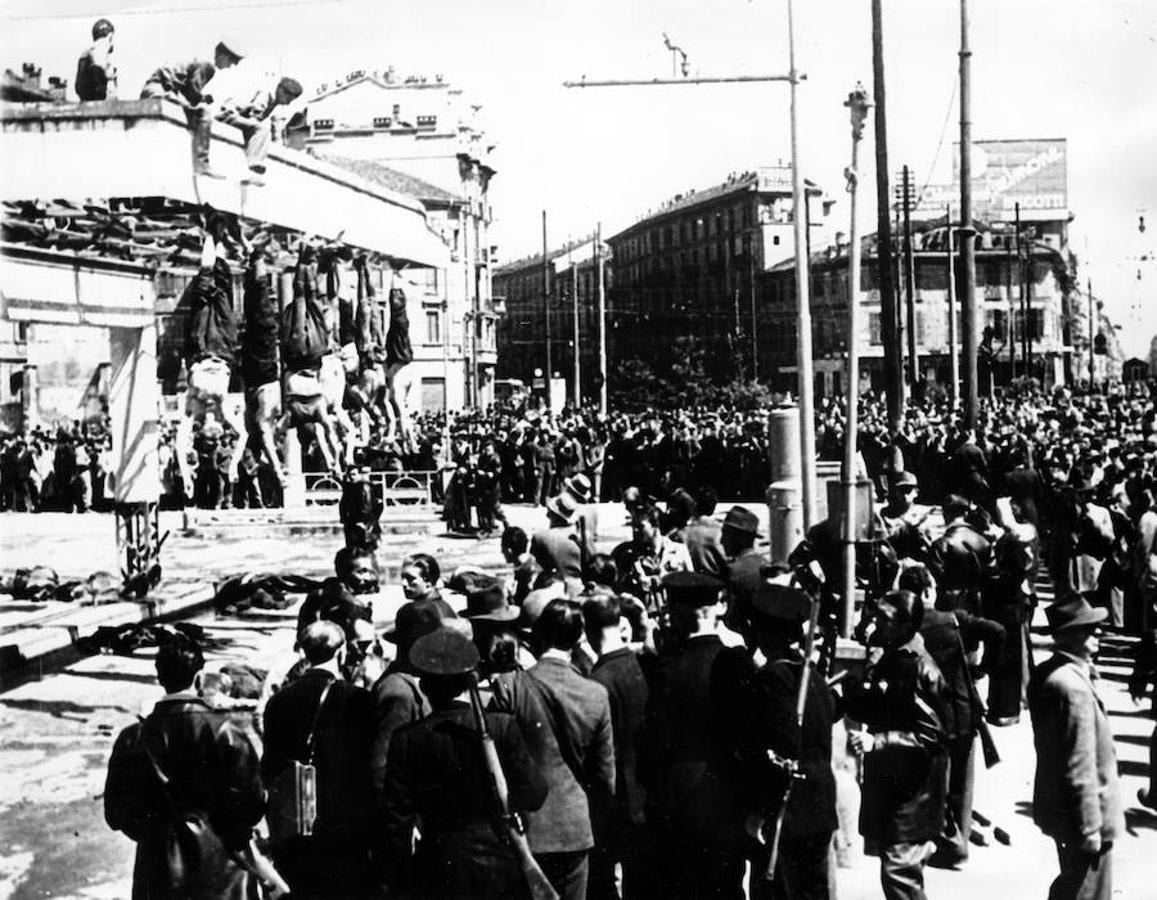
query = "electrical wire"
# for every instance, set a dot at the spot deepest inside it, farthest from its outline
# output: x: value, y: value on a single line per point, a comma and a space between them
x: 939, y: 143
x: 168, y: 10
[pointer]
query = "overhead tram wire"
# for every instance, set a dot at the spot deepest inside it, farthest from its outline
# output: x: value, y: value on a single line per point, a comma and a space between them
x: 138, y: 11
x: 939, y: 143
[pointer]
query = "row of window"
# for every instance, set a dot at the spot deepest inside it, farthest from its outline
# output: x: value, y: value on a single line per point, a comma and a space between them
x: 692, y: 230
x: 995, y: 319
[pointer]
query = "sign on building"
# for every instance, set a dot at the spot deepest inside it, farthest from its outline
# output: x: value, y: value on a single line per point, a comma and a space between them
x: 1033, y: 173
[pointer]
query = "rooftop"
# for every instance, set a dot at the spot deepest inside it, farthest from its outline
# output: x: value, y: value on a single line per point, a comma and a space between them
x: 396, y: 181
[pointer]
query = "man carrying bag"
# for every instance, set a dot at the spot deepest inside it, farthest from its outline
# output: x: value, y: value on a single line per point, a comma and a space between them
x: 184, y: 784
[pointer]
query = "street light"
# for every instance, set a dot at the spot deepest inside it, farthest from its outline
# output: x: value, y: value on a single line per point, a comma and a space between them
x: 858, y: 105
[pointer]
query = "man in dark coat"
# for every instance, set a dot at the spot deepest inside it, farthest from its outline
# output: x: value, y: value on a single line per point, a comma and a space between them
x: 1076, y: 794
x: 620, y: 830
x: 437, y: 778
x: 185, y: 784
x: 904, y: 747
x: 323, y: 720
x: 769, y: 724
x: 745, y: 563
x: 961, y: 559
x: 686, y: 759
x: 567, y: 722
x: 949, y: 637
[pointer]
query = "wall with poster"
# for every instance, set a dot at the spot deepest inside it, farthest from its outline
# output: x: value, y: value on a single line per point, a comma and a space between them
x: 1031, y: 172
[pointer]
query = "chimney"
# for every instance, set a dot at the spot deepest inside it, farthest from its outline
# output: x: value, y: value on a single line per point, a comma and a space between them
x: 31, y: 75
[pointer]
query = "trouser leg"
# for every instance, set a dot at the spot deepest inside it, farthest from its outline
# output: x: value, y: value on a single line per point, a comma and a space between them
x: 257, y: 142
x: 902, y: 871
x: 1082, y: 876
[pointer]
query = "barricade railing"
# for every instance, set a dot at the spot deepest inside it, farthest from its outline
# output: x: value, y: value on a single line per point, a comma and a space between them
x: 413, y: 488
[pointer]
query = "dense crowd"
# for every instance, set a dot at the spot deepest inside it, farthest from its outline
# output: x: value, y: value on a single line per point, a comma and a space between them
x: 643, y: 702
x: 62, y: 471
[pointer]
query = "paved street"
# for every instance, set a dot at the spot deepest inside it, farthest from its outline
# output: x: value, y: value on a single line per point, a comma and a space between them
x: 56, y: 733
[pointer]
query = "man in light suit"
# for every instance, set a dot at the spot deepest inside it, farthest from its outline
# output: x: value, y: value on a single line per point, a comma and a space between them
x: 566, y: 719
x: 1076, y: 798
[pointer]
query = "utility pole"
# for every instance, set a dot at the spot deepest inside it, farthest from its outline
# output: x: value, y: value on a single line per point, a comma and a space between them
x: 1026, y: 316
x: 857, y: 104
x: 546, y: 307
x: 953, y: 356
x: 910, y: 285
x: 806, y: 393
x: 578, y: 398
x: 751, y: 288
x: 1011, y: 313
x: 893, y: 375
x: 602, y: 318
x: 1092, y: 339
x: 968, y: 245
x: 807, y: 424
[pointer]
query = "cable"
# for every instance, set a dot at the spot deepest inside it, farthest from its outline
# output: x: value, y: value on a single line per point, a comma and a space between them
x: 222, y: 7
x: 940, y: 143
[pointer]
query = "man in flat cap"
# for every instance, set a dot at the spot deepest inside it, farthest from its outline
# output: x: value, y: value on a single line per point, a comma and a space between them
x: 685, y: 759
x: 777, y: 618
x: 437, y: 779
x: 1076, y: 794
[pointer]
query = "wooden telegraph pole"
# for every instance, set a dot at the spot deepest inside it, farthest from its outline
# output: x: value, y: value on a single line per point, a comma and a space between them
x: 893, y: 372
x: 967, y: 245
x: 546, y: 307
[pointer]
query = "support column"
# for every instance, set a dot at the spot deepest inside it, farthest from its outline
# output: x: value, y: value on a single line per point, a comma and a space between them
x: 785, y: 523
x: 30, y: 397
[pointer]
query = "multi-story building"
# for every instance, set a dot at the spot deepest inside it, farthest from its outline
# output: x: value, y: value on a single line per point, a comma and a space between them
x: 422, y: 138
x: 1049, y: 293
x: 693, y: 268
x: 570, y: 301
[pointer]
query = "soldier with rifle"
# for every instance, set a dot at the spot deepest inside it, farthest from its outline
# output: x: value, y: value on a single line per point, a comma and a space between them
x: 465, y: 775
x: 787, y: 734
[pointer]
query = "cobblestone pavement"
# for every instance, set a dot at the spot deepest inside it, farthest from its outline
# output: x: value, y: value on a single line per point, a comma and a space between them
x: 56, y: 732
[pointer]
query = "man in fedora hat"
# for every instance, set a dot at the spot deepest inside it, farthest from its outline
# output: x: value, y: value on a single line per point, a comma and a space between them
x: 1076, y: 795
x: 745, y: 563
x: 559, y: 547
x: 437, y: 781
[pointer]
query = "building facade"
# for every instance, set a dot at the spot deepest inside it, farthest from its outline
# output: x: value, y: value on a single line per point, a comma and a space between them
x: 694, y: 267
x: 1024, y: 290
x: 570, y: 301
x: 421, y: 137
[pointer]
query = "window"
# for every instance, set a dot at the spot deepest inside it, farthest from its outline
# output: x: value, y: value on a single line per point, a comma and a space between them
x: 775, y: 240
x: 433, y: 327
x: 874, y: 337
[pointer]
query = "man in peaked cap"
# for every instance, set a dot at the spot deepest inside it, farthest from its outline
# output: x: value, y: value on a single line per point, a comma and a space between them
x: 685, y: 758
x: 777, y: 618
x: 1076, y: 794
x: 436, y: 776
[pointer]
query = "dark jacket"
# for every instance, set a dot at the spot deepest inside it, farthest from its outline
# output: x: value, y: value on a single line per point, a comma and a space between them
x: 214, y: 787
x: 212, y: 325
x: 341, y: 748
x: 581, y: 713
x: 437, y: 776
x: 398, y: 701
x: 259, y: 343
x: 961, y: 559
x: 686, y: 757
x: 619, y: 672
x: 947, y: 636
x: 769, y: 723
x: 906, y: 775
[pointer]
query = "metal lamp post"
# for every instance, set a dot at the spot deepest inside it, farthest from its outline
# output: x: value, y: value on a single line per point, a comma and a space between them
x: 858, y: 105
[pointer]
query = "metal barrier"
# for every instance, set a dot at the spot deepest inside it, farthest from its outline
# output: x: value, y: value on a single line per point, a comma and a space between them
x: 414, y: 488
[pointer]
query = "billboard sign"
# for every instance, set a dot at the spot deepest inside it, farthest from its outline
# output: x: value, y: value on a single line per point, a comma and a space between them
x: 1033, y: 173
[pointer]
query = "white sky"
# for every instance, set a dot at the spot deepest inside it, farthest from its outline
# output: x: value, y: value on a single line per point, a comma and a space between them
x: 1080, y: 69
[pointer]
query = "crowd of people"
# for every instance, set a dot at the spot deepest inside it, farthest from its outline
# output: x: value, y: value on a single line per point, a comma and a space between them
x: 656, y: 719
x: 63, y: 470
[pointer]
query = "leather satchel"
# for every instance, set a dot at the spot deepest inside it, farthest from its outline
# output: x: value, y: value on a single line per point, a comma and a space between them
x: 292, y: 806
